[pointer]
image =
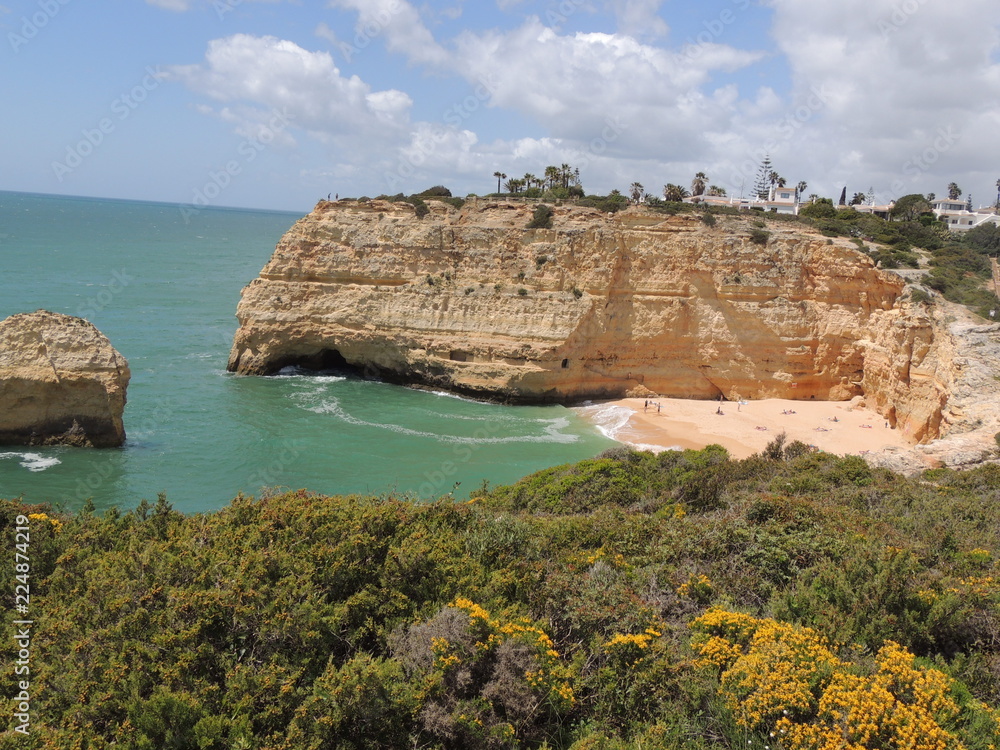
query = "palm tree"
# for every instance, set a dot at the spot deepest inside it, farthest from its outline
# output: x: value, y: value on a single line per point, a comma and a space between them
x: 954, y: 191
x: 800, y: 190
x: 674, y: 193
x: 636, y: 191
x: 857, y: 199
x: 499, y: 176
x: 717, y: 191
x: 512, y: 184
x: 698, y: 183
x: 551, y: 175
x: 530, y: 180
x: 565, y: 172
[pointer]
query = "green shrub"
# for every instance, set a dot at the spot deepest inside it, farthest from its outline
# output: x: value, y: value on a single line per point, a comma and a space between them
x: 759, y: 236
x: 438, y: 191
x: 542, y: 218
x: 821, y: 208
x: 309, y: 621
x: 419, y: 205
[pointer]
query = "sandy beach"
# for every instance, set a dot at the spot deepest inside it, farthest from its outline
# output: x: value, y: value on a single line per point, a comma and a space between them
x: 744, y: 428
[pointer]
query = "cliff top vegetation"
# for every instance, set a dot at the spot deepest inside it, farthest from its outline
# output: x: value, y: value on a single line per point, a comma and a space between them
x: 793, y: 599
x: 956, y: 265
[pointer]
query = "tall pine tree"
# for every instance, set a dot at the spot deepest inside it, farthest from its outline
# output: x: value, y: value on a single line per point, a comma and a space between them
x: 762, y: 185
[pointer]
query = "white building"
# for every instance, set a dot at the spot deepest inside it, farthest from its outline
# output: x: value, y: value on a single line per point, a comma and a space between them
x: 779, y: 200
x: 959, y: 218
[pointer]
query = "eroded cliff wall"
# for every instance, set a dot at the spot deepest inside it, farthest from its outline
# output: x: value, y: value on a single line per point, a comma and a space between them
x: 598, y: 306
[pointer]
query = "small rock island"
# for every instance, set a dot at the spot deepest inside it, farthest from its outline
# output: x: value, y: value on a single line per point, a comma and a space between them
x: 61, y: 382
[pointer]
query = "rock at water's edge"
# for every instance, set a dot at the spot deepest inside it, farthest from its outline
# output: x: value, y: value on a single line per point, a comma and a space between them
x: 61, y: 382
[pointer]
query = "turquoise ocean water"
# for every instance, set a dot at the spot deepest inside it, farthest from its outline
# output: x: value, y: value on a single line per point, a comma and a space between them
x: 164, y: 287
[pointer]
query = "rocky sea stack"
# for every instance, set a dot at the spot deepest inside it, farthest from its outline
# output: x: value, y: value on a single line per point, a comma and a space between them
x: 61, y: 382
x: 471, y: 300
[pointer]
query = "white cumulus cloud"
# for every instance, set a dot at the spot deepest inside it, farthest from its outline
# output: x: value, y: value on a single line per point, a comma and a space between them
x: 265, y: 73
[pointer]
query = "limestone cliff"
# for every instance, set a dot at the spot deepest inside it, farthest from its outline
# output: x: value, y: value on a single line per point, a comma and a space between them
x: 954, y: 366
x: 599, y: 306
x: 61, y: 382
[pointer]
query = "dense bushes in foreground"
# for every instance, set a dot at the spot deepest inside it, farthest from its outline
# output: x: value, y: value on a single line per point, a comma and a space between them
x: 681, y: 600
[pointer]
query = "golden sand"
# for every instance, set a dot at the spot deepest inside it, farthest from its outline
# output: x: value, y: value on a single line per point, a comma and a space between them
x: 746, y: 428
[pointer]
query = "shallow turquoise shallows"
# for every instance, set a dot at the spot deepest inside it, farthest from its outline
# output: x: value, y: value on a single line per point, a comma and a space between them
x: 163, y: 285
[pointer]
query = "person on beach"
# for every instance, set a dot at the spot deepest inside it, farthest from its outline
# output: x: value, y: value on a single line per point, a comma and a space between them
x: 657, y: 407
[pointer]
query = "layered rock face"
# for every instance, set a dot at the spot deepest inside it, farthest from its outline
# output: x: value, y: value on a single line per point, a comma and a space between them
x: 599, y: 306
x: 61, y: 382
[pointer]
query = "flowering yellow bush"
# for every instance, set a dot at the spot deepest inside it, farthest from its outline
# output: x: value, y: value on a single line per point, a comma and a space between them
x: 628, y: 649
x: 55, y: 522
x: 784, y: 679
x: 768, y: 667
x: 698, y: 588
x: 551, y: 676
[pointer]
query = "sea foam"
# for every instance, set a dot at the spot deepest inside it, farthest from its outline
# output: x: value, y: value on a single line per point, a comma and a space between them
x: 33, y: 461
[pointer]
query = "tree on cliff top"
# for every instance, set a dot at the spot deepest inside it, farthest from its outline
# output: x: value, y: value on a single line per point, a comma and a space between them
x: 675, y: 193
x: 698, y: 183
x: 762, y: 185
x: 821, y: 208
x: 909, y: 207
x: 438, y: 191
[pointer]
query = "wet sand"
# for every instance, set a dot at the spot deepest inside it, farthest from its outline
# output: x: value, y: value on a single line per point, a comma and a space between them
x: 745, y: 429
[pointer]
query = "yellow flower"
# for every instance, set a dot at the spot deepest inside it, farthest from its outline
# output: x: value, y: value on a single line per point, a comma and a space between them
x: 778, y: 677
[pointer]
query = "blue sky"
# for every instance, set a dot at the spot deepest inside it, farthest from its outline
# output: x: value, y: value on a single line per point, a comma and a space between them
x: 274, y: 104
